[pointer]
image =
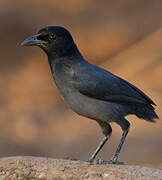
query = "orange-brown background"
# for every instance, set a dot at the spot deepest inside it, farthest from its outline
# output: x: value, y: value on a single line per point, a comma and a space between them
x: 124, y: 37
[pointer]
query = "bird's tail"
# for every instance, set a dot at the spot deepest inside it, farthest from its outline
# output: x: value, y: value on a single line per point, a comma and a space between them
x: 146, y: 113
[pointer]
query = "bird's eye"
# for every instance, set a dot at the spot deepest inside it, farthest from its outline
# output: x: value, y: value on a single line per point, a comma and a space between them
x: 52, y: 37
x: 43, y: 37
x: 47, y: 37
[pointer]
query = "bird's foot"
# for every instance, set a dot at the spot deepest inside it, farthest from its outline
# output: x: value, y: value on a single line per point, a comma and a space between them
x: 101, y: 161
x: 91, y: 161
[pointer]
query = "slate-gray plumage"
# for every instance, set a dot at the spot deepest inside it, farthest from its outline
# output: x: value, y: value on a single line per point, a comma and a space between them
x: 88, y: 90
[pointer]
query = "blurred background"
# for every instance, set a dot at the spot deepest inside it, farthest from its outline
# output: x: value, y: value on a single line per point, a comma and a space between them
x: 124, y: 37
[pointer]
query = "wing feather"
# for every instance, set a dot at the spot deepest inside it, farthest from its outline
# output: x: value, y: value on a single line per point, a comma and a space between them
x: 100, y: 84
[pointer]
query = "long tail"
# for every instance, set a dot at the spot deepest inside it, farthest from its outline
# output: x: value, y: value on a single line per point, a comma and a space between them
x: 146, y: 113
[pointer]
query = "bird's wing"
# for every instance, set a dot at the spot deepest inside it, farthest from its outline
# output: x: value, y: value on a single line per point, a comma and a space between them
x: 100, y: 84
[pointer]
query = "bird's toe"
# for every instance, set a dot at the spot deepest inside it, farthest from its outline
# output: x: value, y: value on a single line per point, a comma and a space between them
x: 101, y: 161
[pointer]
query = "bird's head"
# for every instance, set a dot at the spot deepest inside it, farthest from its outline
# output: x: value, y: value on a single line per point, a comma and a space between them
x: 54, y: 40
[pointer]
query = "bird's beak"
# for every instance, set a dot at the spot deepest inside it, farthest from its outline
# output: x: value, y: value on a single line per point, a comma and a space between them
x: 32, y: 41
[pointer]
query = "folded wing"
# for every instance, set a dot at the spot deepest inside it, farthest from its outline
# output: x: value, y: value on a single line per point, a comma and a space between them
x: 101, y: 84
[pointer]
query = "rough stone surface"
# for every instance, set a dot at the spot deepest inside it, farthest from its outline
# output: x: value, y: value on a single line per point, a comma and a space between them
x: 31, y: 168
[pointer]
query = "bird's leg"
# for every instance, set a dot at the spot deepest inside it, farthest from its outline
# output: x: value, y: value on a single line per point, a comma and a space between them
x: 107, y: 130
x: 99, y: 148
x: 115, y: 158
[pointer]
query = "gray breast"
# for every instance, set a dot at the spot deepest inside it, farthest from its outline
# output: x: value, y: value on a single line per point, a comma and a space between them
x: 90, y: 107
x: 84, y: 105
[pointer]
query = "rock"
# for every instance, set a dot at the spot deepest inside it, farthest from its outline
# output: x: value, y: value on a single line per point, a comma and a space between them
x: 31, y: 168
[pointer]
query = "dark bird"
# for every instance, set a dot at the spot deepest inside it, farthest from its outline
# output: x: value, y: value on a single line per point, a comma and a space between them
x: 89, y: 90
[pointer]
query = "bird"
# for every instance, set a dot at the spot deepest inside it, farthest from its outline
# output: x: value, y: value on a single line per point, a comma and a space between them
x: 89, y: 90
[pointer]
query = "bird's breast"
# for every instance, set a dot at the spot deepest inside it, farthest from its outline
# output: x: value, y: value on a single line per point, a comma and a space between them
x: 81, y: 104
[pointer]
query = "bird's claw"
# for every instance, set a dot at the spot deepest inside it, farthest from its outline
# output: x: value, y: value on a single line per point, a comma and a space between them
x: 101, y: 161
x: 91, y: 161
x: 98, y: 161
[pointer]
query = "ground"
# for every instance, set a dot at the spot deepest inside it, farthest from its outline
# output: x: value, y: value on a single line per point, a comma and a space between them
x: 31, y: 168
